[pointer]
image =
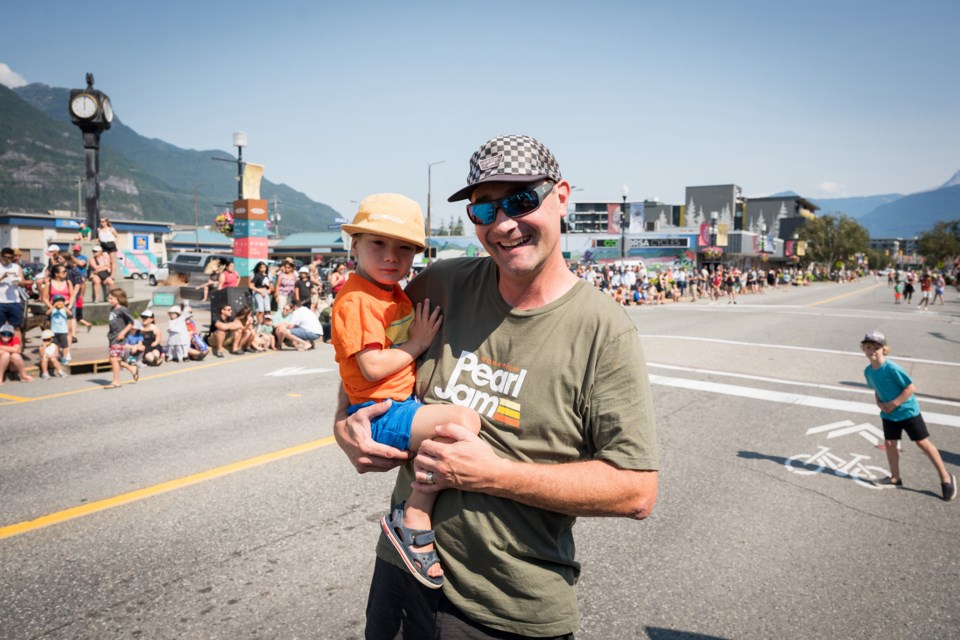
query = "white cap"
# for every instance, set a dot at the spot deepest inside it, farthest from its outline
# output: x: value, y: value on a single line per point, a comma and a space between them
x: 175, y: 309
x: 6, y: 328
x: 52, y: 248
x: 304, y: 270
x: 46, y: 335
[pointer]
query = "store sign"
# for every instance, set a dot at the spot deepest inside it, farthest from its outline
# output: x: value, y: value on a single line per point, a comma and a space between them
x: 141, y: 242
x: 669, y: 243
x: 605, y: 242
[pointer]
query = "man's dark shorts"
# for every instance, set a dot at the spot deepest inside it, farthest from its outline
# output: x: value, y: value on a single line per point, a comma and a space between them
x: 915, y: 427
x: 12, y: 313
x: 400, y: 607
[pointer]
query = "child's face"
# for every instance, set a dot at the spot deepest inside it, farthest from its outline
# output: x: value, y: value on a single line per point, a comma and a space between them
x: 112, y: 301
x: 384, y: 260
x: 58, y: 304
x: 873, y: 351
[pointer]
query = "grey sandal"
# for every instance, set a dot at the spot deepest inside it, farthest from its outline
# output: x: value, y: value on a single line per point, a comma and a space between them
x: 404, y: 539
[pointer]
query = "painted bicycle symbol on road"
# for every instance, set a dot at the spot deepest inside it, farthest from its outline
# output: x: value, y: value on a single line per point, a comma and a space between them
x: 805, y: 464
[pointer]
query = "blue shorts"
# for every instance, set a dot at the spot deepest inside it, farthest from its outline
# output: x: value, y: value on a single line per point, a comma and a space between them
x: 11, y: 312
x: 393, y: 427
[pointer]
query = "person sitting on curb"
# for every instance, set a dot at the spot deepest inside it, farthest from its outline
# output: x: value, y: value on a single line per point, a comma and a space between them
x: 182, y: 342
x: 226, y: 322
x: 304, y: 327
x: 50, y: 356
x: 10, y: 359
x: 152, y: 351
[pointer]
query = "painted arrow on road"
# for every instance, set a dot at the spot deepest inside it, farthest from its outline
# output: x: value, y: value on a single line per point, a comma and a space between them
x: 295, y: 371
x: 867, y: 431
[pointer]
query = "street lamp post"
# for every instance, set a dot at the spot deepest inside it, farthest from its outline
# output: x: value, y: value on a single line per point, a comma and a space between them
x: 239, y: 141
x: 713, y: 234
x: 196, y: 217
x: 624, y: 192
x: 430, y: 166
x: 569, y: 223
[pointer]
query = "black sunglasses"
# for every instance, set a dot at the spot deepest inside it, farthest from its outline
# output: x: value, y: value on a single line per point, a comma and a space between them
x: 515, y: 206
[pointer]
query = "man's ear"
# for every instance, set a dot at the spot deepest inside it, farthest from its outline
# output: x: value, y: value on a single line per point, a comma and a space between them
x: 562, y: 189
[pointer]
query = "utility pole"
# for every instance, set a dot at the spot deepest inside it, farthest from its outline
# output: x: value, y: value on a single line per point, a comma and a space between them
x: 276, y: 213
x: 196, y: 217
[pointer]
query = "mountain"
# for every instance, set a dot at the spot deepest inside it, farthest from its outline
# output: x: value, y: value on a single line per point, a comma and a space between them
x: 952, y: 182
x: 855, y: 207
x: 915, y: 213
x: 898, y: 216
x: 41, y: 157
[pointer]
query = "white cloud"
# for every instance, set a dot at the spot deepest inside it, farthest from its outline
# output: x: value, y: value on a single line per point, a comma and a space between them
x: 10, y: 78
x: 831, y: 188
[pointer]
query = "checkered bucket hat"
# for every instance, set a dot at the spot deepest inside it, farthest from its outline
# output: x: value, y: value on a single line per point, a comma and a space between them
x: 511, y: 158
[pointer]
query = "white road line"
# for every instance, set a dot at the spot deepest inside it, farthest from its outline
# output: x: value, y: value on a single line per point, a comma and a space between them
x: 792, y: 348
x: 792, y: 398
x: 792, y: 383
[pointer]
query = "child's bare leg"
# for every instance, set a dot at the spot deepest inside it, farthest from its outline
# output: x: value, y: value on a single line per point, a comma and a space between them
x: 893, y: 459
x: 419, y: 508
x: 927, y: 447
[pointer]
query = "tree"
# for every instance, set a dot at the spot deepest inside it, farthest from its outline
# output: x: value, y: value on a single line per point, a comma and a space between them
x: 940, y: 243
x: 834, y: 238
x: 458, y: 227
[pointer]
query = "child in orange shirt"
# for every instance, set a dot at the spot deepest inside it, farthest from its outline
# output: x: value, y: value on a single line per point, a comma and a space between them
x: 378, y: 336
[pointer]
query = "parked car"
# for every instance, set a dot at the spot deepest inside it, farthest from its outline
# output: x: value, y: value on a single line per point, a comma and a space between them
x: 160, y: 273
x: 189, y: 262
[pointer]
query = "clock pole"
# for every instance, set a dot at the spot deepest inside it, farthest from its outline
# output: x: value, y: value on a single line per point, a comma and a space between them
x: 91, y: 111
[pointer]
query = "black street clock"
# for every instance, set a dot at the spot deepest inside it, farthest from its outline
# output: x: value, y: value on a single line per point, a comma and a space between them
x: 92, y: 112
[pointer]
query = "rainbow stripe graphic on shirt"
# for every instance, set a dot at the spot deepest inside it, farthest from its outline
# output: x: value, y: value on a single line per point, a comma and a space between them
x: 488, y: 387
x: 398, y: 331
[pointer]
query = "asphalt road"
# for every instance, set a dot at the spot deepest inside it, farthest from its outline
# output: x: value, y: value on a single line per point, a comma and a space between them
x: 208, y: 500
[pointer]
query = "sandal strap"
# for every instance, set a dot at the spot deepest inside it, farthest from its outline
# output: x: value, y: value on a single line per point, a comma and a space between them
x: 420, y: 538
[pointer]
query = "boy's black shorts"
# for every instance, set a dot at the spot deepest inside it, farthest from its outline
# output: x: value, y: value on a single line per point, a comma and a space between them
x: 915, y: 427
x: 62, y: 340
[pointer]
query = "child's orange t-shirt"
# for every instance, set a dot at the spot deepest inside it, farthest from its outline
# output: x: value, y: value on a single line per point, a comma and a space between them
x: 365, y: 315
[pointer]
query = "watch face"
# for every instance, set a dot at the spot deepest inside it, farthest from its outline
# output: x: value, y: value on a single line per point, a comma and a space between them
x: 84, y: 106
x: 107, y: 110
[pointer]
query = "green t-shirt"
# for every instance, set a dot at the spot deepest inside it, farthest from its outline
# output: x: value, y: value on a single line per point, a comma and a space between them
x: 561, y: 383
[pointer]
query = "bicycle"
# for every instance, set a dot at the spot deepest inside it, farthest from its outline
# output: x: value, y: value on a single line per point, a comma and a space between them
x: 863, y: 475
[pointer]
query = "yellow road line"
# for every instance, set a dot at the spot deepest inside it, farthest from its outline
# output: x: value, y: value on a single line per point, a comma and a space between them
x: 164, y: 487
x: 21, y: 399
x: 843, y: 295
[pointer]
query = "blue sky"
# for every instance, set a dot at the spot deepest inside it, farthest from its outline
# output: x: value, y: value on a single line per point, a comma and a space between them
x: 829, y: 99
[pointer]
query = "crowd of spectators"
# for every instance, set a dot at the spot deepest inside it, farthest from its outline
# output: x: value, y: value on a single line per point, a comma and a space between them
x: 290, y: 309
x: 639, y: 285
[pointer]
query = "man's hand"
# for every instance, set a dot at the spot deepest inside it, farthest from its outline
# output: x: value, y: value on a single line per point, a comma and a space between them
x: 354, y: 437
x: 459, y: 459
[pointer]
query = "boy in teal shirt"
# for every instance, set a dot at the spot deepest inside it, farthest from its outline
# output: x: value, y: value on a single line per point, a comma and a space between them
x: 900, y: 411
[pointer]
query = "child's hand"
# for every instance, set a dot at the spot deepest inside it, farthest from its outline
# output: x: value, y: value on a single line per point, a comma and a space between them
x: 425, y: 325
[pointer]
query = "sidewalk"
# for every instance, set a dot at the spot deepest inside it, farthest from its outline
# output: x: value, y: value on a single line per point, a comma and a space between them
x: 89, y: 353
